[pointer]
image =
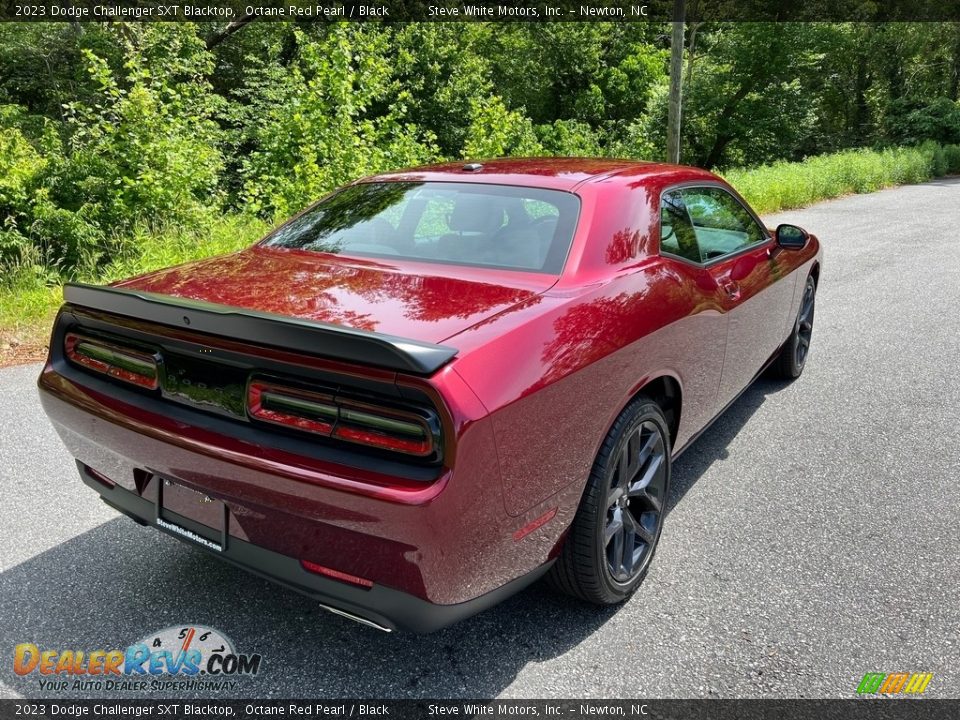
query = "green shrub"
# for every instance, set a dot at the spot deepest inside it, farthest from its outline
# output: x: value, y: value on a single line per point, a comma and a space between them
x: 20, y: 167
x: 570, y: 138
x: 951, y: 159
x: 31, y: 226
x: 144, y: 150
x: 496, y: 131
x: 147, y: 149
x: 912, y: 121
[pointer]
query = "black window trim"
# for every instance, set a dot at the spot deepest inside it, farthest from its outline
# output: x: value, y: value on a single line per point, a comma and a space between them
x: 693, y: 184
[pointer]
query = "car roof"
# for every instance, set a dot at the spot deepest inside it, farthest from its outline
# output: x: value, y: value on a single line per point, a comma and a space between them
x: 560, y: 173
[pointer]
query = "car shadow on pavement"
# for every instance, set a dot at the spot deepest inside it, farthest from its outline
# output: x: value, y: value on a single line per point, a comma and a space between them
x: 115, y: 584
x: 712, y: 445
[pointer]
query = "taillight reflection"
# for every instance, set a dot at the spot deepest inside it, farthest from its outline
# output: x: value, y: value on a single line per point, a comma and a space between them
x: 336, y: 574
x: 117, y: 362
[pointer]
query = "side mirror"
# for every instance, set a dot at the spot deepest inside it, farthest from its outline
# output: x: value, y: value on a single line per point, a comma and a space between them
x: 791, y: 237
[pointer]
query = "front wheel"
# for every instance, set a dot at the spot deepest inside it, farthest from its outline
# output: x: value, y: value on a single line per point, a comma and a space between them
x: 617, y: 526
x: 793, y: 355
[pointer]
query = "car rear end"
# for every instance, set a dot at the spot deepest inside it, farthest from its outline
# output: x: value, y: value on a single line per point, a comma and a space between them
x: 296, y: 408
x: 372, y: 487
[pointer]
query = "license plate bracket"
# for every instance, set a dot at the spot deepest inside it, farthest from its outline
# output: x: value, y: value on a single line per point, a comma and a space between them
x: 191, y: 514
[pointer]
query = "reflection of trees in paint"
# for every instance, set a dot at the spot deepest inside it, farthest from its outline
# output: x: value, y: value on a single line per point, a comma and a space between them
x: 348, y: 208
x: 585, y: 333
x: 623, y: 246
x: 312, y: 287
x: 590, y: 330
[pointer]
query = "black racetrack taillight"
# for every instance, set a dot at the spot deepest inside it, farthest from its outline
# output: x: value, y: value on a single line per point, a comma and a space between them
x: 364, y: 423
x: 104, y: 357
x: 383, y: 428
x: 300, y: 409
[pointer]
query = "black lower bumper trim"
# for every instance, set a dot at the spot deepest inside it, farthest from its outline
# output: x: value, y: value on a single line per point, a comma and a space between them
x: 379, y: 606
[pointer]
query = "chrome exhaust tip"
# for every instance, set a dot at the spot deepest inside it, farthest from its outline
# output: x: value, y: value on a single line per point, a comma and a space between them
x: 355, y: 618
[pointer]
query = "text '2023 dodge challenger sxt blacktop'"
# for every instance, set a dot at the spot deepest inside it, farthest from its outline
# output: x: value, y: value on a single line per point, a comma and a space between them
x: 435, y: 386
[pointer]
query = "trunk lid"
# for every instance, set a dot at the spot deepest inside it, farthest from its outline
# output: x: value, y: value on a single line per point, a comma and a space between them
x: 419, y: 301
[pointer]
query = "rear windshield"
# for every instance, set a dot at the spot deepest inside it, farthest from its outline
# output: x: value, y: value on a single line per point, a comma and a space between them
x: 502, y: 226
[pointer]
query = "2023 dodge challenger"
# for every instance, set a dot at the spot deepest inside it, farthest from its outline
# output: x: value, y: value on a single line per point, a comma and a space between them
x: 435, y: 386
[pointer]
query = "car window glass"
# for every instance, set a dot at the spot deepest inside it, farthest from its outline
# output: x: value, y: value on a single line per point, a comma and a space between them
x: 434, y: 219
x: 505, y: 226
x: 677, y: 235
x: 721, y: 223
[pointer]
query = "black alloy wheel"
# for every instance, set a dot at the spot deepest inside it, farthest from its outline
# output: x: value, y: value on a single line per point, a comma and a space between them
x: 805, y: 324
x: 635, y: 503
x: 615, y: 532
x: 793, y: 355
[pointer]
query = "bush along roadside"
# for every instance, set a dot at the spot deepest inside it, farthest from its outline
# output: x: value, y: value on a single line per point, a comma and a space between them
x: 31, y: 292
x: 30, y: 289
x: 786, y: 185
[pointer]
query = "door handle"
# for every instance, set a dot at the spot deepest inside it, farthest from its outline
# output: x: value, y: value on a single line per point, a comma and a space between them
x: 731, y: 288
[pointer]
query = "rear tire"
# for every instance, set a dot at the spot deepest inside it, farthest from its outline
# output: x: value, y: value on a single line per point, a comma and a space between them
x: 615, y: 532
x: 793, y: 355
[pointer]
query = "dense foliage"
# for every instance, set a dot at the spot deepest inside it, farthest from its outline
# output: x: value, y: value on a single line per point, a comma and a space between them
x: 107, y: 129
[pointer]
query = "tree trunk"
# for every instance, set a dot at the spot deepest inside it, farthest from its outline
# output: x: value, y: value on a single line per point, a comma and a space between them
x: 691, y: 51
x: 231, y: 27
x: 676, y: 81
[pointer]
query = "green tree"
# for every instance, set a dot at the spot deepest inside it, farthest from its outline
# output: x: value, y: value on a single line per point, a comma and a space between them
x: 319, y: 123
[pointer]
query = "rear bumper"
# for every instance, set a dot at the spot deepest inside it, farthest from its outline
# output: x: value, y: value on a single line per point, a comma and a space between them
x: 433, y: 557
x: 379, y: 606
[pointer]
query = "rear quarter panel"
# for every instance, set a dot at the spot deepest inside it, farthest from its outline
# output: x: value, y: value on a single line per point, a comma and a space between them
x: 555, y: 381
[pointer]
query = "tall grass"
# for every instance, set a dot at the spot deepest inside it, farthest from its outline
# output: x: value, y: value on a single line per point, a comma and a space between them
x: 786, y: 185
x: 146, y: 250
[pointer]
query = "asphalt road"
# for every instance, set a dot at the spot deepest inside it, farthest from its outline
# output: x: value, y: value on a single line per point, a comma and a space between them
x: 814, y: 532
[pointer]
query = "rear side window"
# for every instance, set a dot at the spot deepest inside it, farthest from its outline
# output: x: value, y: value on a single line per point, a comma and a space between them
x: 677, y: 235
x: 706, y: 223
x: 500, y: 226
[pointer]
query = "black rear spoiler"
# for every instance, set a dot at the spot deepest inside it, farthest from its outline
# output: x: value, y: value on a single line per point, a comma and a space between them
x: 313, y: 338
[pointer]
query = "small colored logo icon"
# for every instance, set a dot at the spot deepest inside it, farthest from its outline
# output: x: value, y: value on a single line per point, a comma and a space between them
x: 894, y: 683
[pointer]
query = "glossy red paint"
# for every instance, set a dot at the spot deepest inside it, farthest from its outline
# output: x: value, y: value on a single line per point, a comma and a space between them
x: 544, y: 365
x: 420, y: 301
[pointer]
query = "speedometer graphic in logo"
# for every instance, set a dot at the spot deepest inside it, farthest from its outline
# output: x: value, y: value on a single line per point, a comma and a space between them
x: 179, y: 640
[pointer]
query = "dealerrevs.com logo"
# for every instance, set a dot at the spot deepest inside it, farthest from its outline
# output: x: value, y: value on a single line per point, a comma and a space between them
x: 186, y: 657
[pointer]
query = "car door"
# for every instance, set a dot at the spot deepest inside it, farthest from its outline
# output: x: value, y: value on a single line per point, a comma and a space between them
x: 699, y: 343
x: 739, y: 254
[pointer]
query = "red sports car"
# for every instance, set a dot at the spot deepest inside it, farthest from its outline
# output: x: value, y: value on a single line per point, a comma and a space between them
x: 435, y: 386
